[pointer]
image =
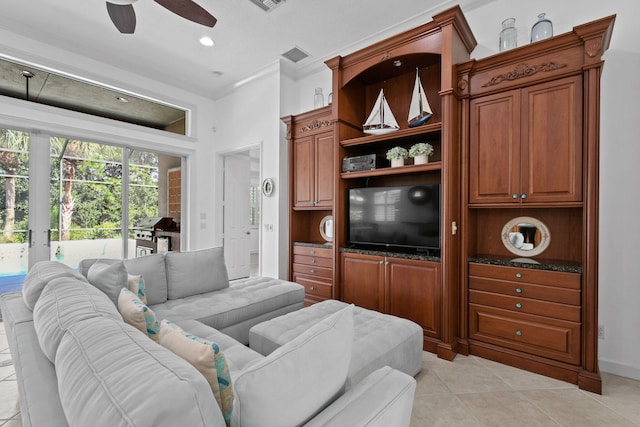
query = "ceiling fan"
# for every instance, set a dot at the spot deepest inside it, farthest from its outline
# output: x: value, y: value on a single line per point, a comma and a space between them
x: 124, y: 17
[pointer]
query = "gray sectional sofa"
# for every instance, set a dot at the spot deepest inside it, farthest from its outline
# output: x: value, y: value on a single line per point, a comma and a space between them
x: 78, y: 363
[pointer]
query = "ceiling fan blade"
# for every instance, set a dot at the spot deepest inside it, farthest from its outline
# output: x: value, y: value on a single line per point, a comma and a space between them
x: 189, y: 10
x: 123, y: 17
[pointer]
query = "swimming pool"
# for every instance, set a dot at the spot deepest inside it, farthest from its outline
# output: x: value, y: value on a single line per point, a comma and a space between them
x: 11, y: 282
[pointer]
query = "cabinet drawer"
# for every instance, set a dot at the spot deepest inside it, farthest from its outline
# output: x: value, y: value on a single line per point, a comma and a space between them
x: 526, y: 305
x: 314, y: 287
x: 526, y: 290
x: 311, y: 270
x: 526, y: 275
x: 313, y: 261
x: 312, y: 251
x: 541, y: 336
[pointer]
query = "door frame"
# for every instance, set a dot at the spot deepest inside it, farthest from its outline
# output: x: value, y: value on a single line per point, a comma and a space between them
x: 221, y: 161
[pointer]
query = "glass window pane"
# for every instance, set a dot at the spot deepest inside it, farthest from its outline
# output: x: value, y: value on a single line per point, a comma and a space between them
x: 14, y: 208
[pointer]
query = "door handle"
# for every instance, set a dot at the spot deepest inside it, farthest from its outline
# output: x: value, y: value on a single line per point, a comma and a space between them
x: 30, y: 237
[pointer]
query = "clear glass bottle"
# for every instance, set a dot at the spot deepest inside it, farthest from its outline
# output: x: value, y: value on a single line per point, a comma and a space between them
x: 508, y: 35
x: 318, y: 98
x: 543, y: 29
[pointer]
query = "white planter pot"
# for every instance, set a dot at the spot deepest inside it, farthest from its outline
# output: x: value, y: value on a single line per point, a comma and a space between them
x: 397, y: 162
x: 420, y: 160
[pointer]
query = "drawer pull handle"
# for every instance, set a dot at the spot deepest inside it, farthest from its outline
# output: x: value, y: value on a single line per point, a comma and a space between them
x: 313, y: 252
x: 519, y: 333
x: 518, y: 290
x: 312, y: 271
x: 313, y: 261
x: 518, y: 275
x: 518, y: 305
x: 312, y: 288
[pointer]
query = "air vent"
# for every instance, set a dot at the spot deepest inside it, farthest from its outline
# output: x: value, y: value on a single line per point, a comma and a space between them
x: 267, y: 5
x: 296, y: 54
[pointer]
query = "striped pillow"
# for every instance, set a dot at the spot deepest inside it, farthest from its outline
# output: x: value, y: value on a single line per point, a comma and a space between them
x: 135, y: 283
x: 206, y: 357
x: 137, y: 314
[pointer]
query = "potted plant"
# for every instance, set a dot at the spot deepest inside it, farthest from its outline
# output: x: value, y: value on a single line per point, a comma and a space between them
x: 397, y: 156
x: 421, y: 152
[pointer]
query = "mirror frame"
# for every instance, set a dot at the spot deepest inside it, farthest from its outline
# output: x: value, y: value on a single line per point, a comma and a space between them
x: 323, y: 228
x: 545, y: 236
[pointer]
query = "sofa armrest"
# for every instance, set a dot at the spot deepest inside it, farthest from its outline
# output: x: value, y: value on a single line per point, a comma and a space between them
x: 383, y: 398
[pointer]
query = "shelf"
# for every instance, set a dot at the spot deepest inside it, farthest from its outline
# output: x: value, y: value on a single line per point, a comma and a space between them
x: 393, y: 136
x: 431, y: 166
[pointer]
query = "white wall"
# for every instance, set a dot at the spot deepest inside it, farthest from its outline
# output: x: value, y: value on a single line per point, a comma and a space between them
x: 248, y: 117
x: 619, y: 287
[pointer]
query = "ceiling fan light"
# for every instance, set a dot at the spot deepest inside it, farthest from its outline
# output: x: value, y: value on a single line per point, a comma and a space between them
x: 206, y: 41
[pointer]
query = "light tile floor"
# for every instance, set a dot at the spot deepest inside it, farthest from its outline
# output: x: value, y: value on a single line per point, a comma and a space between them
x: 468, y: 392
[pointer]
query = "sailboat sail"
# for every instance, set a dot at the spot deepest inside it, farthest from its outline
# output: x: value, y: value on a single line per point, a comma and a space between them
x: 419, y: 109
x: 381, y: 119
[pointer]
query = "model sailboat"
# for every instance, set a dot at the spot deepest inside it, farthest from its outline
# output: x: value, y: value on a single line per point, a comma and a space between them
x: 419, y: 109
x: 381, y: 119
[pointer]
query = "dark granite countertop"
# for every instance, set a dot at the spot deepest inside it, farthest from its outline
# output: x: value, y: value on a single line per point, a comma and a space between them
x: 314, y: 244
x: 535, y: 264
x: 414, y: 256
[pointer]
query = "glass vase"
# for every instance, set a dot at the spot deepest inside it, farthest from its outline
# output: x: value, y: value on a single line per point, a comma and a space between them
x: 508, y: 35
x: 318, y: 98
x: 543, y: 29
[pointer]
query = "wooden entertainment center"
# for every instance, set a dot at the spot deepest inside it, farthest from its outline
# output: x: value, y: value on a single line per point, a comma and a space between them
x: 516, y: 154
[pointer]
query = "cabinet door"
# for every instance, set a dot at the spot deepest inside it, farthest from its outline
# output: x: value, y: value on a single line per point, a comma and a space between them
x: 414, y: 292
x: 552, y: 141
x: 494, y: 151
x: 303, y: 183
x: 363, y: 280
x: 324, y: 170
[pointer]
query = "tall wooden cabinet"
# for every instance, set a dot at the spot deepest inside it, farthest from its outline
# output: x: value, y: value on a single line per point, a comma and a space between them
x: 311, y: 140
x: 530, y: 150
x: 516, y: 139
x: 426, y: 287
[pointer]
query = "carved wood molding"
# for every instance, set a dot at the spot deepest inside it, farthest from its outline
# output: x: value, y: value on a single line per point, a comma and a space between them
x: 316, y: 124
x: 593, y: 47
x: 523, y: 70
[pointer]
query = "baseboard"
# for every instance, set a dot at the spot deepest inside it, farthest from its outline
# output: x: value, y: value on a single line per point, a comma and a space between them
x: 619, y: 369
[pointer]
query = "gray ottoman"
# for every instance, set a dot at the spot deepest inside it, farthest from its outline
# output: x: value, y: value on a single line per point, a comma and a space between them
x: 379, y: 339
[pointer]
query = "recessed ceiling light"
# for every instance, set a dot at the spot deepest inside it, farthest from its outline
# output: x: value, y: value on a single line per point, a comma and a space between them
x: 122, y: 99
x: 206, y: 41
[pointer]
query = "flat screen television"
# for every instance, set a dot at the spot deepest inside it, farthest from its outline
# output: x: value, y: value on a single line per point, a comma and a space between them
x: 395, y: 217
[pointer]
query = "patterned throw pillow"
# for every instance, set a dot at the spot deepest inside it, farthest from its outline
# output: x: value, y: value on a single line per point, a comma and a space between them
x: 135, y: 283
x: 206, y: 357
x: 137, y: 314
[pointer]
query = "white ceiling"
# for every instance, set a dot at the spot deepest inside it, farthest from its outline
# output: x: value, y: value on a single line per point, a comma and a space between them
x: 248, y: 40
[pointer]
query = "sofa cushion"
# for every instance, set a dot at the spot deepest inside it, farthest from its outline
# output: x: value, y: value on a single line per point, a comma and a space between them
x: 109, y: 278
x: 241, y: 301
x: 65, y: 301
x: 110, y: 374
x: 137, y: 314
x: 40, y: 274
x: 135, y: 283
x: 206, y: 357
x: 152, y: 269
x: 195, y: 272
x: 313, y: 365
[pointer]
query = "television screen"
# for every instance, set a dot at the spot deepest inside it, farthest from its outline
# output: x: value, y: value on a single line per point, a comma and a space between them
x: 402, y: 217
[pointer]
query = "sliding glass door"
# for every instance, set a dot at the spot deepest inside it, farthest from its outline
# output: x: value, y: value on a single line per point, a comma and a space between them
x: 66, y: 199
x: 14, y: 208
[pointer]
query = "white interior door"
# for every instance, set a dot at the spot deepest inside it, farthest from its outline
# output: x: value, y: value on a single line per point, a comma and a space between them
x: 237, y: 232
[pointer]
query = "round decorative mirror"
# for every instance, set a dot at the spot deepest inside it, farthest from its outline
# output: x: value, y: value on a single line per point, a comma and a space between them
x: 326, y: 228
x: 525, y: 236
